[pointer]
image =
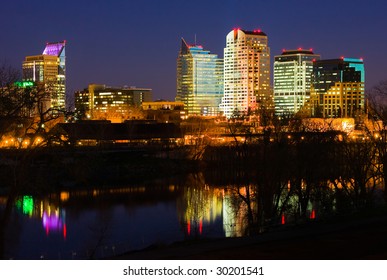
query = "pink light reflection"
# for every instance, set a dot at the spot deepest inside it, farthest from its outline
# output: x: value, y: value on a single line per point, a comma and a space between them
x: 54, y: 223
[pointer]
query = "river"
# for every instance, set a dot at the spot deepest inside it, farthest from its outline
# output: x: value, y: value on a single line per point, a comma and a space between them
x: 99, y: 223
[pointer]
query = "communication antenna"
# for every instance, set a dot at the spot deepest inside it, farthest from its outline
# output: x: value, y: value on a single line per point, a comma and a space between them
x: 195, y: 39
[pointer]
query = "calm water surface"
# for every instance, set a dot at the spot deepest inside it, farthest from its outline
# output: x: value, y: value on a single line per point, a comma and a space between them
x: 102, y: 223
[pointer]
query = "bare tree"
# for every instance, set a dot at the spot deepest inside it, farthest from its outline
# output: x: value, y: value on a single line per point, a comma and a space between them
x: 23, y: 117
x: 377, y: 114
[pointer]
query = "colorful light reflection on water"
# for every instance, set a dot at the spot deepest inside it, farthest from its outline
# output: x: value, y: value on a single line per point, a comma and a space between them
x: 67, y: 225
x: 55, y: 222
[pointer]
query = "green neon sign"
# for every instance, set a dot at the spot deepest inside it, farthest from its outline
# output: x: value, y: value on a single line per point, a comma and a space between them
x: 24, y: 84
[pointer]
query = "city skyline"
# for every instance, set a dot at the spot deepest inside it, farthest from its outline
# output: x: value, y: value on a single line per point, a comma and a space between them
x: 136, y: 44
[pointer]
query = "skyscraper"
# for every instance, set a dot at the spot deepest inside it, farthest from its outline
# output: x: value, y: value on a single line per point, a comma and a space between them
x: 292, y: 79
x: 246, y: 73
x: 338, y: 88
x: 199, y: 80
x: 49, y: 69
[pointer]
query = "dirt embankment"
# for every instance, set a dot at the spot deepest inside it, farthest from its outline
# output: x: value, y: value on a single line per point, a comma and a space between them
x: 353, y: 239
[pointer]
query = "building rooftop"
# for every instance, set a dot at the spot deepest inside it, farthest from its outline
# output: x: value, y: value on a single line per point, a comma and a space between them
x: 254, y: 32
x: 298, y: 51
x: 54, y: 48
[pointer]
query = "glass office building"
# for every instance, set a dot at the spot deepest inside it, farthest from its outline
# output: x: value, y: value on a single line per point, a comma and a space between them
x: 199, y: 80
x: 338, y: 88
x: 292, y: 79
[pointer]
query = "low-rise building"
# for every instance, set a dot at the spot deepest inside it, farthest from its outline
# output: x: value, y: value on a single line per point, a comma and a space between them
x: 112, y: 103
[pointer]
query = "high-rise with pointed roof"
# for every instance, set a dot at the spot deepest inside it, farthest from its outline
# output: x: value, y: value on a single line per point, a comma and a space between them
x: 246, y: 73
x: 199, y: 80
x: 49, y: 69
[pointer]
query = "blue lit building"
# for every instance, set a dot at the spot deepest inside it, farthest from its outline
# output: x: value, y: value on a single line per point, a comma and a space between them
x: 199, y: 80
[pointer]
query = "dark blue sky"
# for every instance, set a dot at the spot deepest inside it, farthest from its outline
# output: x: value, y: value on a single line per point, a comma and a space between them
x: 136, y: 43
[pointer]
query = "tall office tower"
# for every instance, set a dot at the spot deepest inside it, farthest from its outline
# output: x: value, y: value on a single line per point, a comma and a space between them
x: 199, y: 80
x: 337, y: 88
x: 292, y: 79
x: 49, y: 69
x: 246, y: 73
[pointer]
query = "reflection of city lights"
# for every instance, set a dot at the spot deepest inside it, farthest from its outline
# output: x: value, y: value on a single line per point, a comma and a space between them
x: 26, y: 204
x: 54, y: 222
x: 313, y: 215
x: 64, y: 196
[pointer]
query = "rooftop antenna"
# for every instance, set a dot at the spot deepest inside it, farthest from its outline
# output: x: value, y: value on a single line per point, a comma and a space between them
x: 195, y: 39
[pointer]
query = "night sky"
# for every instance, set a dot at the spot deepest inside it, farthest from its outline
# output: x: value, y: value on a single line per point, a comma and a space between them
x: 136, y: 43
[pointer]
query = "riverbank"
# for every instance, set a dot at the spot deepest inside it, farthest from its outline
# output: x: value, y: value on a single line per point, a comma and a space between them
x: 57, y: 169
x: 353, y: 238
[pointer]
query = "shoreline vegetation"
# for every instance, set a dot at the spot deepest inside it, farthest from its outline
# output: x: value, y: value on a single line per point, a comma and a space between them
x: 61, y: 168
x: 270, y: 181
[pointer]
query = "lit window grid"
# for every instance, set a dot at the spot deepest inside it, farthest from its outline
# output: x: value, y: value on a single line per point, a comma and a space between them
x: 246, y: 72
x: 200, y: 82
x: 292, y: 81
x: 344, y: 100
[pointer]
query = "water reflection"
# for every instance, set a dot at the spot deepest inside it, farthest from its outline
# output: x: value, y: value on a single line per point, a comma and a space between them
x: 53, y: 218
x: 199, y: 207
x: 99, y: 223
x: 54, y: 222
